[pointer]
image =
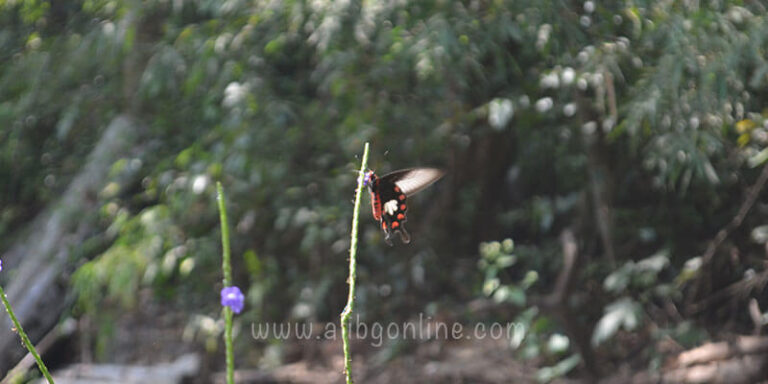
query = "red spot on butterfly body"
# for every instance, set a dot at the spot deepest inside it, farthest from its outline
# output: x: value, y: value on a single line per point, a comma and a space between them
x: 376, y: 206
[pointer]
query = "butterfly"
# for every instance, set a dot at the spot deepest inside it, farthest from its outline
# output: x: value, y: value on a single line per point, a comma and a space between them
x: 389, y: 195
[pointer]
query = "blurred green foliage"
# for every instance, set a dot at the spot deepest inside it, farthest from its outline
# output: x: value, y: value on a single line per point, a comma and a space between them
x: 542, y: 113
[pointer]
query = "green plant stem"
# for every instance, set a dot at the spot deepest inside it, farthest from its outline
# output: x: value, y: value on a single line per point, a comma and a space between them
x: 225, y: 263
x: 226, y: 267
x: 345, y: 315
x: 24, y: 338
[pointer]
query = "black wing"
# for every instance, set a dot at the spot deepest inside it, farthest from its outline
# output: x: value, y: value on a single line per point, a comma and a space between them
x: 413, y: 180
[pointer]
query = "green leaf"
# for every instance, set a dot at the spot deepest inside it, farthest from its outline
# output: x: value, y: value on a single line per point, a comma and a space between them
x: 517, y: 296
x: 506, y: 261
x: 758, y: 159
x: 690, y: 270
x: 558, y: 343
x: 560, y: 369
x: 531, y: 277
x: 624, y: 313
x: 760, y: 234
x: 508, y: 245
x: 619, y: 280
x: 490, y: 286
x: 654, y: 263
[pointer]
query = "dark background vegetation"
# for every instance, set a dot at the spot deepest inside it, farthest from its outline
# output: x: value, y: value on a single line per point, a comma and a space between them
x: 634, y: 128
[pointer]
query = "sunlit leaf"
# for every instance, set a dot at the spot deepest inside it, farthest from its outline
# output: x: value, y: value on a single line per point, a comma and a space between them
x: 744, y: 126
x: 619, y: 279
x: 624, y: 313
x: 547, y: 374
x: 758, y: 159
x: 558, y: 343
x: 490, y: 286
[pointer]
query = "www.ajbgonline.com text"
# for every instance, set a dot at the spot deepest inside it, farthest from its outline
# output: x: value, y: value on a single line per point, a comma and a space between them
x: 424, y: 329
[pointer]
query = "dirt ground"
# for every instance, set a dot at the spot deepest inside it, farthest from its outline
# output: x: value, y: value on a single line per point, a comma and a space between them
x: 436, y: 361
x: 153, y: 335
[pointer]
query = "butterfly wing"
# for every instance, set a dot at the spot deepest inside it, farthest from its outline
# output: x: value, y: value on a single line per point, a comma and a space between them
x: 392, y: 192
x: 413, y: 180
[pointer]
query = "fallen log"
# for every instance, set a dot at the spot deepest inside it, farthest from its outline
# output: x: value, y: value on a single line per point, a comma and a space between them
x: 186, y: 366
x: 743, y: 360
x: 61, y: 330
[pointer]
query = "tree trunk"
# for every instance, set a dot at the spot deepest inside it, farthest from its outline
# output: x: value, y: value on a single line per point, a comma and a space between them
x: 40, y: 263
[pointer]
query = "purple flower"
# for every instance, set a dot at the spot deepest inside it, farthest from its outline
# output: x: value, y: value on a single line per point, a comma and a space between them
x: 233, y: 298
x: 1, y: 265
x: 367, y: 178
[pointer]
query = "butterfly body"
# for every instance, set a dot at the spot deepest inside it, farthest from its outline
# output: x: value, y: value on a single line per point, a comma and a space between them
x: 389, y: 197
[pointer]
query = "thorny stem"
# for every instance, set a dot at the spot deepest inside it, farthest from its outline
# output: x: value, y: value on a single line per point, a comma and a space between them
x: 24, y: 338
x: 227, y: 268
x: 345, y: 315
